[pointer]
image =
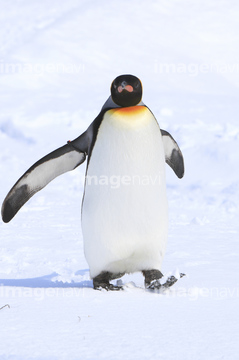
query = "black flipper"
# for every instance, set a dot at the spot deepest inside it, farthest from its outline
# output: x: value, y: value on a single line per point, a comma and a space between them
x: 173, y: 155
x: 64, y: 159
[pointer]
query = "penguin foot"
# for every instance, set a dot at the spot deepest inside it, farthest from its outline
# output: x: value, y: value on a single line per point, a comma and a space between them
x: 101, y: 281
x: 109, y: 287
x: 151, y: 276
x: 154, y: 285
x: 171, y: 280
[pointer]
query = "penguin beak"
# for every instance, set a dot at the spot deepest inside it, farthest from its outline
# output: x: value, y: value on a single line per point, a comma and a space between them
x: 126, y: 87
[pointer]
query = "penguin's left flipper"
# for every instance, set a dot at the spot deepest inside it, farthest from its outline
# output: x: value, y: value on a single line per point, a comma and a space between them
x: 63, y: 159
x: 173, y: 154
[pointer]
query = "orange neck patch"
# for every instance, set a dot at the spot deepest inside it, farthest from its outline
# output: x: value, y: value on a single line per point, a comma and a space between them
x: 129, y: 110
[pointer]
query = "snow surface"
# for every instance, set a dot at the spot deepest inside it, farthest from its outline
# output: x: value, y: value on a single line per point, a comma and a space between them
x: 57, y: 61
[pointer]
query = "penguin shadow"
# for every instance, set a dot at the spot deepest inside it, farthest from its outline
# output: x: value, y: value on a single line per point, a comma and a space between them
x: 47, y: 281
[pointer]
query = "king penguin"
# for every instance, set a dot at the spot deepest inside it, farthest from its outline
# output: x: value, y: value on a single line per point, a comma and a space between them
x: 124, y: 206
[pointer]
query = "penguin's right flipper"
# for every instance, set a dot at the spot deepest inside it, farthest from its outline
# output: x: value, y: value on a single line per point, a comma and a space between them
x: 64, y: 159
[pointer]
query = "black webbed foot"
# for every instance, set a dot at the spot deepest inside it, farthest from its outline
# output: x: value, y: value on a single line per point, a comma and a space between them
x: 109, y: 287
x: 102, y: 281
x: 152, y: 276
x: 171, y: 280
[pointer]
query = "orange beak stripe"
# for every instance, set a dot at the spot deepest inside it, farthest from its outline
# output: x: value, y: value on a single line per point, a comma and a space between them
x: 129, y: 88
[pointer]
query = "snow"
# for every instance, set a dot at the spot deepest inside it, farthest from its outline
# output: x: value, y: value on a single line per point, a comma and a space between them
x: 57, y: 61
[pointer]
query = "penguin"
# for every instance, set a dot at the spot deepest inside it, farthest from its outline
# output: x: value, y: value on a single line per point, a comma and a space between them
x: 124, y: 215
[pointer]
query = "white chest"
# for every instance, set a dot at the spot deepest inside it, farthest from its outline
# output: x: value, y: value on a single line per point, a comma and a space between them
x: 125, y: 207
x: 129, y: 143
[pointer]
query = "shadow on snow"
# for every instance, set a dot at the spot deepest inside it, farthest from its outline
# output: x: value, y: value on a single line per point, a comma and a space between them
x: 47, y: 282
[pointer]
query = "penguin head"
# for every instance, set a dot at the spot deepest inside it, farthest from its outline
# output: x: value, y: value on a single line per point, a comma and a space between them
x: 126, y: 90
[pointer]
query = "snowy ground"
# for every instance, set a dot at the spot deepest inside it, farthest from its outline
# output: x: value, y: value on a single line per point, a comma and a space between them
x: 57, y: 61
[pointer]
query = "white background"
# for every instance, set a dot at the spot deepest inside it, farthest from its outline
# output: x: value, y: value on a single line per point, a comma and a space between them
x: 57, y: 61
